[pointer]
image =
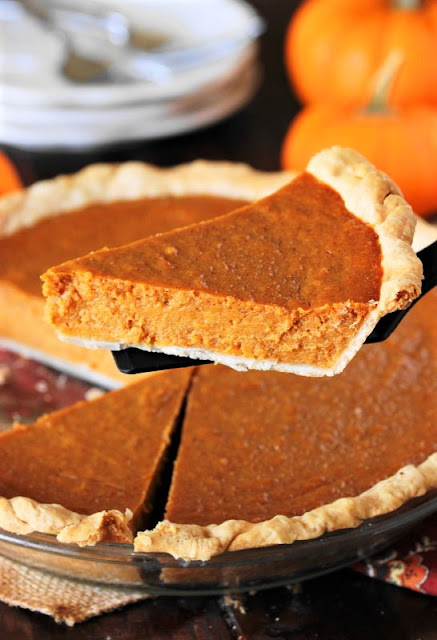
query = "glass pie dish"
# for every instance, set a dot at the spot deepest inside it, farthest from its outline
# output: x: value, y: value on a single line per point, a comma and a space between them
x: 32, y: 389
x: 253, y: 569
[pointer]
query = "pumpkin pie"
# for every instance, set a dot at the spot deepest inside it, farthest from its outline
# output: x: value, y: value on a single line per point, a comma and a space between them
x: 267, y: 458
x: 102, y: 205
x: 89, y: 473
x: 294, y: 282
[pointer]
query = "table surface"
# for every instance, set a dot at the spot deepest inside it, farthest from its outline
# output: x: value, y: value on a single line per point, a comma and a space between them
x: 340, y: 606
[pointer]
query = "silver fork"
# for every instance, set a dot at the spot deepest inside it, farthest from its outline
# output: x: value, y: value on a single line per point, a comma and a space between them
x: 96, y: 41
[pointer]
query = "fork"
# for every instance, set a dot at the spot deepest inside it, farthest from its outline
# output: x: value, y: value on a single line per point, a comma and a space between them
x: 96, y: 39
x: 99, y: 45
x: 133, y: 360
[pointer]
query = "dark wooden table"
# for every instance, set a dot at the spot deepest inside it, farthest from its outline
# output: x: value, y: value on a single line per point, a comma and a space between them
x: 340, y: 606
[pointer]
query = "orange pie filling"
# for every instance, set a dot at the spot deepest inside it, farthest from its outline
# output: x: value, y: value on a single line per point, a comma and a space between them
x: 30, y: 251
x: 27, y: 253
x: 273, y: 270
x: 101, y: 456
x: 255, y: 445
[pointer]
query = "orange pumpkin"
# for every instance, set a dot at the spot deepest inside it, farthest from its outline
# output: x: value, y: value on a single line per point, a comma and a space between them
x: 9, y: 178
x: 401, y: 143
x: 333, y: 48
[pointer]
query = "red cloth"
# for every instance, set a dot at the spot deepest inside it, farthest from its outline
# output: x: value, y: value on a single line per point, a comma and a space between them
x: 412, y: 563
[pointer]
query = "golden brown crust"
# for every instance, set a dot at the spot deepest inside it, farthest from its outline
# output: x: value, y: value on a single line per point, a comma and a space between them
x: 371, y: 196
x: 193, y: 542
x: 130, y: 181
x: 23, y: 515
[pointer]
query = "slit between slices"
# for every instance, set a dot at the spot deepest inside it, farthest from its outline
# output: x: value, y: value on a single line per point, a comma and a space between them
x: 160, y: 490
x: 95, y: 487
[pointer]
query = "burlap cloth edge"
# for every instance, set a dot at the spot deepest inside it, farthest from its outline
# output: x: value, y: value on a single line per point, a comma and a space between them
x: 67, y: 601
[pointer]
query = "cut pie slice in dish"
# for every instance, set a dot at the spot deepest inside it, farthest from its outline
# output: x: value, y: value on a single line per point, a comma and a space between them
x: 293, y: 282
x: 88, y: 473
x: 268, y: 458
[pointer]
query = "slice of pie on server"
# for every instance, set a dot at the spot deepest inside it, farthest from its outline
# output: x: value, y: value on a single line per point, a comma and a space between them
x: 294, y: 282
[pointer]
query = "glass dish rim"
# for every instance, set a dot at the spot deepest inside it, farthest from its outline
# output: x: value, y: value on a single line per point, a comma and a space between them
x: 411, y: 513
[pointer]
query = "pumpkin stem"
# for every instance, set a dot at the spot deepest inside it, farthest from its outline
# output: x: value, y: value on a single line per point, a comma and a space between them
x: 406, y: 5
x: 384, y: 81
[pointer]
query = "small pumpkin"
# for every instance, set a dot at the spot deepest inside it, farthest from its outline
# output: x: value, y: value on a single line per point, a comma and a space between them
x: 9, y: 178
x: 401, y: 141
x: 334, y: 47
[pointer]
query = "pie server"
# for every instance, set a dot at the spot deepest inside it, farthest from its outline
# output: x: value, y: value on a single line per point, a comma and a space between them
x: 133, y: 360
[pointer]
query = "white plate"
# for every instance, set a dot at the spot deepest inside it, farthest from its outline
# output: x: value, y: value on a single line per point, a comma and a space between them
x: 175, y: 117
x: 30, y: 58
x: 30, y: 117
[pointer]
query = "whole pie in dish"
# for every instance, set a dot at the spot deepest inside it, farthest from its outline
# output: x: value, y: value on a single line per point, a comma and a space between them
x: 101, y: 206
x: 89, y: 473
x: 294, y: 282
x: 264, y: 458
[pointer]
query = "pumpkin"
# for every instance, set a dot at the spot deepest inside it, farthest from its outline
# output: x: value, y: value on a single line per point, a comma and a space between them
x: 9, y: 178
x: 333, y: 48
x: 400, y: 141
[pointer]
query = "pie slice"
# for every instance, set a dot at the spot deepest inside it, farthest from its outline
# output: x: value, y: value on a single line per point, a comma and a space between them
x: 266, y: 458
x: 88, y: 473
x: 101, y: 206
x: 293, y: 282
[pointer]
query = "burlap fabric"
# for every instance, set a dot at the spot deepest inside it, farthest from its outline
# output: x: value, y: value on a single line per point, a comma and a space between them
x: 67, y: 601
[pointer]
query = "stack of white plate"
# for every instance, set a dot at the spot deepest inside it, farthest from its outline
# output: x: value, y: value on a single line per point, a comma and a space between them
x: 207, y: 49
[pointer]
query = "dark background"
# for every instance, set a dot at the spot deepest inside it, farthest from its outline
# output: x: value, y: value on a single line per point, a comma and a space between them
x: 341, y: 606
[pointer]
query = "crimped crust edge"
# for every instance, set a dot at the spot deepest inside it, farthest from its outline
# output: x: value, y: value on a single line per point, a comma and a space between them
x: 374, y: 198
x: 194, y: 542
x: 22, y: 515
x: 105, y: 183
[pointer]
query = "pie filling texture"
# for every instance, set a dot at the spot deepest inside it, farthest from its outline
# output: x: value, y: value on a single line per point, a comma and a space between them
x: 290, y: 282
x: 269, y: 458
x: 101, y: 456
x: 330, y: 437
x: 28, y: 252
x: 261, y: 456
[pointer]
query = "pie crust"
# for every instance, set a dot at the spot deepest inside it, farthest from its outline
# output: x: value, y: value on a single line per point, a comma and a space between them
x: 132, y: 181
x: 374, y: 198
x: 193, y: 542
x: 102, y: 183
x: 367, y: 193
x: 23, y: 516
